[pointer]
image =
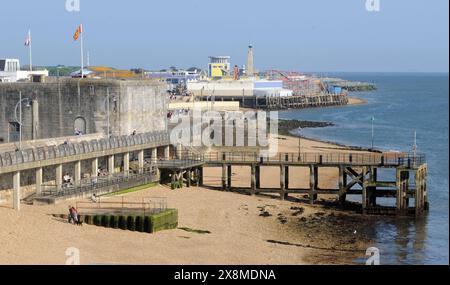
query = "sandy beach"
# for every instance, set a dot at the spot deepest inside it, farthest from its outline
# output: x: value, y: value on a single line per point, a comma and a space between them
x: 243, y: 229
x: 356, y: 101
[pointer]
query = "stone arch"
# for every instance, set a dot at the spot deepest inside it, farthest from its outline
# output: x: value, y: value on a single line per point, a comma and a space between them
x: 80, y: 124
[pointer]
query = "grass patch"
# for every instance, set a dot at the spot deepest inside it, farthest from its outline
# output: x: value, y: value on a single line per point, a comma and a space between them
x: 131, y: 190
x: 202, y: 232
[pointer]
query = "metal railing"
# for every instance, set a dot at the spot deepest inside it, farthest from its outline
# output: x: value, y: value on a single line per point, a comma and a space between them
x: 95, y: 184
x: 388, y: 159
x: 145, y: 205
x: 84, y: 147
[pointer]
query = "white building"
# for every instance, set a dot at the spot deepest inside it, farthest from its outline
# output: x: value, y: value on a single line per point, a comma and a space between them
x: 239, y: 88
x: 10, y: 71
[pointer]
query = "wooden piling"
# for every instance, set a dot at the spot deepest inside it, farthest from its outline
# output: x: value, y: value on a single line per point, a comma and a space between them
x: 229, y: 176
x: 282, y: 182
x: 253, y: 180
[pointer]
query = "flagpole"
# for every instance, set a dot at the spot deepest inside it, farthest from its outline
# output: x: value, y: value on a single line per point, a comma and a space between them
x: 29, y: 46
x: 82, y: 53
x: 373, y: 132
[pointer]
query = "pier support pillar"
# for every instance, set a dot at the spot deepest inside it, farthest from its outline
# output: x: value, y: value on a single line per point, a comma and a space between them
x: 141, y: 161
x: 179, y: 150
x: 420, y: 194
x: 167, y: 152
x: 229, y: 175
x: 342, y: 185
x: 39, y: 180
x: 258, y: 176
x: 200, y: 177
x: 111, y: 164
x: 59, y: 177
x: 224, y: 177
x: 16, y: 194
x: 94, y: 167
x: 402, y: 191
x: 364, y: 192
x: 126, y: 163
x: 188, y: 178
x: 313, y: 179
x: 77, y: 176
x: 154, y: 155
x: 372, y: 190
x: 282, y: 182
x: 253, y: 180
x: 180, y: 179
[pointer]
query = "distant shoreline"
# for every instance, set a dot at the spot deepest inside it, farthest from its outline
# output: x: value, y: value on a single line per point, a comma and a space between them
x: 354, y: 101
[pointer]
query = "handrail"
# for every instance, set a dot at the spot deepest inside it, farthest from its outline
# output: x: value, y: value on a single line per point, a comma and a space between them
x: 84, y: 147
x: 93, y: 184
x: 393, y: 159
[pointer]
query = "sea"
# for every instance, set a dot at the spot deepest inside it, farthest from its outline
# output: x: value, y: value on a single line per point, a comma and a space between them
x: 406, y: 107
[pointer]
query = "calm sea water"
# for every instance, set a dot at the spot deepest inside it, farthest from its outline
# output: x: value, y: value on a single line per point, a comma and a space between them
x: 403, y: 103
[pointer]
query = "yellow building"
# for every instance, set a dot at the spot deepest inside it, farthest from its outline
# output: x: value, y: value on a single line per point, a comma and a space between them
x: 219, y: 66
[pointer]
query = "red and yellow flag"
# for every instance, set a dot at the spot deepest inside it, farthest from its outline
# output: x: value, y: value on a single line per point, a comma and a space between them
x: 78, y: 32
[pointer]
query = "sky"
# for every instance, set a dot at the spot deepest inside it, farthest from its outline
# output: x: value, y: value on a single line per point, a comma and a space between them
x: 300, y: 35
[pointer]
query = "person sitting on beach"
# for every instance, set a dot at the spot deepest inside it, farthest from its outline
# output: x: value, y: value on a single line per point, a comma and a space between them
x: 73, y: 215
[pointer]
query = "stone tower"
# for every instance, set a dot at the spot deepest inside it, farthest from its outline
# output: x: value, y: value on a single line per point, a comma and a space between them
x: 250, y: 68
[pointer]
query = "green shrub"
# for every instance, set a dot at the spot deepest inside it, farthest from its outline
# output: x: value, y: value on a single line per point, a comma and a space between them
x: 123, y: 222
x: 114, y: 222
x: 131, y: 223
x: 105, y: 221
x: 140, y: 224
x: 164, y: 221
x: 147, y: 225
x: 97, y: 220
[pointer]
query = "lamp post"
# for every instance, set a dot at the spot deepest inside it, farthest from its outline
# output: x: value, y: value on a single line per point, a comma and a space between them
x: 19, y: 120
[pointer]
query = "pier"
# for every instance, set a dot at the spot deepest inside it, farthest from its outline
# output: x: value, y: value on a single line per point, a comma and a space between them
x: 358, y: 175
x: 288, y: 102
x: 358, y: 172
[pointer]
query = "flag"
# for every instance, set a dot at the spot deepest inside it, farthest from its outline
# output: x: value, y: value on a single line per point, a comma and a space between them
x: 28, y: 40
x: 78, y: 32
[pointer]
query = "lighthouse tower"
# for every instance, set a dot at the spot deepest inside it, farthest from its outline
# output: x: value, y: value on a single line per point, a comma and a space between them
x: 250, y: 67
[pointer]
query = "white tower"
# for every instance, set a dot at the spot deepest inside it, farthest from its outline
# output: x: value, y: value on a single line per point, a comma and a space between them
x: 250, y: 67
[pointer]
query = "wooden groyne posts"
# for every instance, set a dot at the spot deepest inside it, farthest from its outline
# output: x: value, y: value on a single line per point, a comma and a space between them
x: 358, y: 175
x: 301, y: 102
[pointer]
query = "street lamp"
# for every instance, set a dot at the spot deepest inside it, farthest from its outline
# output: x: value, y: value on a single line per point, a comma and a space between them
x: 19, y: 121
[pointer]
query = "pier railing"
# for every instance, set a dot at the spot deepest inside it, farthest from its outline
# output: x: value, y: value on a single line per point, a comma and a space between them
x: 388, y: 159
x: 83, y: 147
x: 92, y: 185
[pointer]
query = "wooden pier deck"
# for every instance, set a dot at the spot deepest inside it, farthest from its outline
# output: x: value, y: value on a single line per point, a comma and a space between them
x: 358, y: 175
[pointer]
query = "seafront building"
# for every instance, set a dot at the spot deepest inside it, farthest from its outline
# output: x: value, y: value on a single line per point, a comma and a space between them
x: 10, y: 71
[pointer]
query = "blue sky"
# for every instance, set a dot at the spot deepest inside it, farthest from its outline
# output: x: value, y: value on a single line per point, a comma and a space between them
x: 313, y: 35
